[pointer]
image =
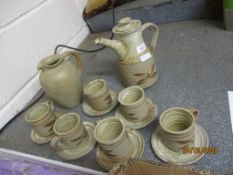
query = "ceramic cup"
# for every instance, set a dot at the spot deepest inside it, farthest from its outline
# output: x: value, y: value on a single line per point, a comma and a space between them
x: 133, y: 103
x: 112, y: 137
x: 98, y: 95
x: 178, y: 125
x: 42, y: 118
x: 69, y: 130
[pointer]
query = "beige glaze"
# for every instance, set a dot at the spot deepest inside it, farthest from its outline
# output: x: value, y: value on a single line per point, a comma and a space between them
x: 135, y: 109
x: 116, y: 143
x: 136, y: 61
x: 69, y: 130
x: 99, y: 99
x: 61, y: 80
x: 178, y: 126
x: 98, y: 95
x: 42, y: 117
x: 112, y: 137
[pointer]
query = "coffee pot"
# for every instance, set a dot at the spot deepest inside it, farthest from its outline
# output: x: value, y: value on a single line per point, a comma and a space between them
x: 136, y: 62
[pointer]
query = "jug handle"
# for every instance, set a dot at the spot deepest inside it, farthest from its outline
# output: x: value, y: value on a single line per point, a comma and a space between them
x: 77, y: 57
x: 155, y: 34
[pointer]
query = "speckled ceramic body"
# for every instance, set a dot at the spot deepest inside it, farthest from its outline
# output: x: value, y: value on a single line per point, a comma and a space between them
x: 69, y: 131
x: 74, y: 138
x: 42, y: 118
x: 97, y: 94
x: 112, y: 137
x: 116, y: 143
x: 136, y: 63
x: 133, y: 103
x: 178, y: 125
x: 99, y: 100
x: 61, y: 80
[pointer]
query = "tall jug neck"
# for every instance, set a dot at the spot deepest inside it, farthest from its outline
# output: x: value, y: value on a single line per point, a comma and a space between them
x: 50, y: 62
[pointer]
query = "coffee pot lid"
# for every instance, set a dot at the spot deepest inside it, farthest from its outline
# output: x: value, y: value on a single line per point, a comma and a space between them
x: 126, y: 26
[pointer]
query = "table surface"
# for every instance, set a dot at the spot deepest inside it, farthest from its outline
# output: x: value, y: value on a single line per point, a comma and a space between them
x: 195, y: 68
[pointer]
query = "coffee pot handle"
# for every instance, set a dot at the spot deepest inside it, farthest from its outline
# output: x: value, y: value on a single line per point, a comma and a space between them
x: 155, y: 34
x: 77, y: 57
x: 195, y: 112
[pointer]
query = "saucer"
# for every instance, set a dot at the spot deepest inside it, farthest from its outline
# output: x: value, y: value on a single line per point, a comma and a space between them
x: 107, y: 163
x: 152, y: 113
x: 167, y: 155
x: 87, y: 109
x: 83, y: 148
x: 36, y: 138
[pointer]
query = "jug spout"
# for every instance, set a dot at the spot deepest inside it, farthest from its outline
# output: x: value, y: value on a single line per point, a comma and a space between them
x: 117, y: 46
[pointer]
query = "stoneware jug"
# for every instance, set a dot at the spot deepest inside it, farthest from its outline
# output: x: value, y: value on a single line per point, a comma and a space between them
x: 136, y: 62
x: 60, y: 79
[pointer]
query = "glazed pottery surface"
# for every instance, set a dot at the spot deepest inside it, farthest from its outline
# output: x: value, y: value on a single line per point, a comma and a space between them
x: 178, y: 125
x: 69, y: 131
x: 116, y: 143
x: 74, y: 138
x: 201, y: 140
x: 42, y: 117
x: 135, y: 107
x: 99, y: 100
x: 98, y: 94
x: 136, y: 63
x: 150, y: 117
x: 178, y: 130
x: 60, y: 79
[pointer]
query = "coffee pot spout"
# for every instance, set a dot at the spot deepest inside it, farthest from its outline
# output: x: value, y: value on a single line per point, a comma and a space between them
x: 117, y: 46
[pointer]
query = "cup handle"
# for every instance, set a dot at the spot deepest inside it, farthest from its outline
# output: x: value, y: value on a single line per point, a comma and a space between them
x: 56, y: 143
x: 155, y: 33
x: 195, y: 112
x: 77, y: 57
x: 50, y: 103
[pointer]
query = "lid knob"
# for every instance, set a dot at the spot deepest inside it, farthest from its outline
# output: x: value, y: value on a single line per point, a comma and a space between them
x: 124, y: 20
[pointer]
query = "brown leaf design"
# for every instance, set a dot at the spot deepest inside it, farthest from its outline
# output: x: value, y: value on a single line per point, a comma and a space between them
x: 152, y: 75
x: 153, y: 69
x: 184, y: 141
x: 108, y: 97
x: 142, y: 81
x: 140, y: 74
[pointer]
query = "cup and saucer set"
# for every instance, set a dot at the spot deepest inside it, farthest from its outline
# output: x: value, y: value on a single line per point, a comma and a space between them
x: 68, y: 135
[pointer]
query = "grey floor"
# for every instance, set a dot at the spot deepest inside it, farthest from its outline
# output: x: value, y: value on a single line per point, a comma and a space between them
x: 195, y: 64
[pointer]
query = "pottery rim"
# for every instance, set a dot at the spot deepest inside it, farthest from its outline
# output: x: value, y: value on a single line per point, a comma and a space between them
x: 127, y: 26
x: 73, y: 116
x: 193, y: 121
x: 124, y: 93
x: 94, y: 87
x: 105, y: 122
x: 50, y: 62
x: 33, y: 119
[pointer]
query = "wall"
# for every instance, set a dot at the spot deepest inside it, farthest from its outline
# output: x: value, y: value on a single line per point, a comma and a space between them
x: 29, y: 31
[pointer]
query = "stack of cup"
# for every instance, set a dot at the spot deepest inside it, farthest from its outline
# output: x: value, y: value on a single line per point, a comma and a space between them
x: 42, y: 118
